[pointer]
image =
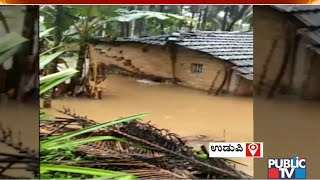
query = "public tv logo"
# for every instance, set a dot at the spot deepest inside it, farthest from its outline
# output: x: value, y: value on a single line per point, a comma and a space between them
x: 294, y: 168
x: 241, y: 149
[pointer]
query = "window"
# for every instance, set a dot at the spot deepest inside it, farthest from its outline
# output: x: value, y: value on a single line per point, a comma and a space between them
x: 196, y: 68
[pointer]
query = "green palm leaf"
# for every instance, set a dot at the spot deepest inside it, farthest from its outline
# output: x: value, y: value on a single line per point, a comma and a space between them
x: 106, y: 174
x: 9, y: 45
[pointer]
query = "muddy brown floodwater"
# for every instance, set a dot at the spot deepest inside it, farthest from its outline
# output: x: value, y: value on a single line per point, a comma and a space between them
x: 287, y: 128
x: 24, y: 118
x: 184, y: 111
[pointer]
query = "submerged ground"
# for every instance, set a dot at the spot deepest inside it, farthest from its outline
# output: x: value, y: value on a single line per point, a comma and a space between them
x: 184, y: 111
x: 287, y: 128
x: 23, y: 117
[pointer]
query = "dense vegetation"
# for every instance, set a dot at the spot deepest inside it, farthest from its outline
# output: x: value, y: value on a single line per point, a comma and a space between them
x: 65, y: 25
x: 76, y: 147
x: 18, y: 75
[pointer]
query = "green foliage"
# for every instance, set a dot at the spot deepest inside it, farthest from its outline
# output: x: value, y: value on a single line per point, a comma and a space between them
x: 46, y: 32
x: 4, y: 22
x: 62, y: 142
x: 201, y: 154
x: 47, y: 58
x: 62, y: 146
x: 93, y: 11
x: 9, y: 45
x: 69, y: 135
x: 65, y: 144
x: 52, y: 80
x: 99, y: 173
x: 49, y: 16
x: 81, y: 23
x: 128, y: 16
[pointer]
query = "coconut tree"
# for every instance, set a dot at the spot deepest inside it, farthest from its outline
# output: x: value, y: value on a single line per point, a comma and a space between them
x: 237, y: 13
x: 226, y: 17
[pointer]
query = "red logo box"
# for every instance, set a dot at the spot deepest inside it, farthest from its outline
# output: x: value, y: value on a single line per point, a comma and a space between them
x: 253, y: 150
x: 273, y: 173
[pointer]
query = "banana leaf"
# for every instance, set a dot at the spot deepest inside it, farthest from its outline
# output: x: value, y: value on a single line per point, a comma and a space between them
x: 52, y: 80
x: 45, y: 59
x: 9, y: 45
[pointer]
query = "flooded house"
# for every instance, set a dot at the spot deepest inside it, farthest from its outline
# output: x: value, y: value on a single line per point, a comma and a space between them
x: 218, y: 62
x: 286, y: 50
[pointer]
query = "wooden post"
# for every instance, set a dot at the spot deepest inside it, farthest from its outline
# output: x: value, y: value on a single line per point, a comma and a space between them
x: 310, y: 59
x: 265, y: 66
x: 227, y: 72
x: 283, y: 67
x: 173, y: 49
x: 293, y: 58
x: 229, y: 78
x: 214, y: 81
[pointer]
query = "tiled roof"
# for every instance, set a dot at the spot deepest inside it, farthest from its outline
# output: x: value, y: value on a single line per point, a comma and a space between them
x: 156, y: 40
x: 309, y: 15
x: 234, y: 47
x: 297, y: 8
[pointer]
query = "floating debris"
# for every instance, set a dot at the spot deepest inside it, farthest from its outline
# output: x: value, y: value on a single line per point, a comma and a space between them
x: 148, y: 82
x: 20, y: 158
x: 146, y: 151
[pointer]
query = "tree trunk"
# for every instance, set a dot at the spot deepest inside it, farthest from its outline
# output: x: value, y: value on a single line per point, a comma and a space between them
x: 2, y: 80
x: 132, y: 24
x: 204, y: 19
x: 57, y: 40
x: 132, y: 28
x: 3, y: 72
x: 180, y: 25
x: 191, y: 25
x: 122, y: 32
x: 225, y: 18
x: 237, y: 18
x: 58, y: 23
x: 199, y: 19
x: 81, y: 58
x: 140, y: 24
x: 161, y: 9
x: 23, y: 61
x: 151, y: 7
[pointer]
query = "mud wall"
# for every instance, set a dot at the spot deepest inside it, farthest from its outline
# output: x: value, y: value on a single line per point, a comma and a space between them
x: 269, y: 29
x: 153, y: 59
x: 300, y: 76
x: 199, y: 80
x: 312, y: 90
x: 245, y: 87
x: 240, y: 86
x: 149, y: 59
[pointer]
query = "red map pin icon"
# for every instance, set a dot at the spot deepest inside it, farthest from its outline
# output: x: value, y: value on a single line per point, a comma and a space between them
x: 253, y: 149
